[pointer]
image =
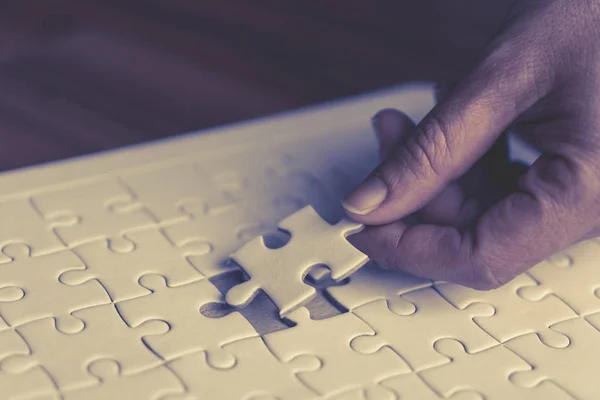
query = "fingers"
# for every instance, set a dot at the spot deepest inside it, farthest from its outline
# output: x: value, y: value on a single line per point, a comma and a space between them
x: 450, y: 207
x: 518, y: 232
x: 448, y: 141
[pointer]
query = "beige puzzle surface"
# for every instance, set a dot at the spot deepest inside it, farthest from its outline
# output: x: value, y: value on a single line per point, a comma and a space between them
x: 115, y: 279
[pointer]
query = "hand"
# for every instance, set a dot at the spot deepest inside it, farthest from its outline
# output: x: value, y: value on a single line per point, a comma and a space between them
x: 540, y: 77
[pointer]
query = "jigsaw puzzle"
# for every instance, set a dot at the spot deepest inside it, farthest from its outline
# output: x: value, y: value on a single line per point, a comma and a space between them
x: 280, y: 272
x: 115, y: 278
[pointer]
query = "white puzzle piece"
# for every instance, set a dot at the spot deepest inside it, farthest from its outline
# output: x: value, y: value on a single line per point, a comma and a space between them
x: 574, y: 368
x: 168, y: 190
x: 97, y: 210
x: 257, y: 374
x: 225, y: 230
x: 513, y: 315
x: 373, y: 283
x: 486, y: 372
x: 21, y: 223
x: 342, y: 369
x: 152, y: 384
x: 66, y: 356
x: 30, y: 288
x: 572, y: 275
x: 143, y: 252
x: 280, y: 272
x: 190, y: 331
x: 428, y: 318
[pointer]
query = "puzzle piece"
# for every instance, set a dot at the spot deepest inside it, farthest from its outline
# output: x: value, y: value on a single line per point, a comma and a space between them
x: 67, y: 356
x: 190, y: 331
x: 30, y: 288
x: 31, y: 384
x: 403, y: 387
x: 280, y: 272
x: 373, y: 283
x: 257, y: 373
x: 92, y: 211
x: 486, y: 372
x: 572, y: 276
x: 575, y: 367
x: 412, y: 335
x: 119, y: 270
x: 166, y: 191
x: 342, y: 368
x: 21, y: 223
x: 226, y: 229
x: 113, y: 384
x: 514, y: 315
x: 34, y: 382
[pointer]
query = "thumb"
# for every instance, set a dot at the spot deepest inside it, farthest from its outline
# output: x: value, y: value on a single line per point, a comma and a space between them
x: 448, y: 141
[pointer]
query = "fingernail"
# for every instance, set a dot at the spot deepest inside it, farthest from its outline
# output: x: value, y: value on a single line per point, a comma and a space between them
x: 367, y: 197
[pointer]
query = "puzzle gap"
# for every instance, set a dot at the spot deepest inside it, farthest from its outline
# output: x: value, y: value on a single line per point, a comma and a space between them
x: 261, y: 312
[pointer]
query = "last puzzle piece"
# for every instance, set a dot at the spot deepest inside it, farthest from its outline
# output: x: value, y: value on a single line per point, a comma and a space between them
x: 280, y: 272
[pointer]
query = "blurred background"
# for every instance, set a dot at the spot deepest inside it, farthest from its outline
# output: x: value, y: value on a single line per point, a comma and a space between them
x: 79, y: 76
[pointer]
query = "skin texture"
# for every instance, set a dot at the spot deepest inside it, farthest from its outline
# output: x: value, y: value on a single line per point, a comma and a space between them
x: 481, y: 220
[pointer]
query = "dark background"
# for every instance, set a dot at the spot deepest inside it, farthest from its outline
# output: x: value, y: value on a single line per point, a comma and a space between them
x: 78, y: 76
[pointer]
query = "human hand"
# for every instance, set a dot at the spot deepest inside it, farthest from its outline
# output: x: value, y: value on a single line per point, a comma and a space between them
x: 540, y: 77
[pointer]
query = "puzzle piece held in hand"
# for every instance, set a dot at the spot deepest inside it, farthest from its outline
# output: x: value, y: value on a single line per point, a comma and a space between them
x: 572, y: 275
x: 167, y: 191
x: 21, y: 223
x: 514, y: 315
x: 343, y: 368
x: 225, y: 230
x: 113, y: 384
x: 92, y: 211
x: 190, y: 331
x: 486, y: 372
x: 373, y: 283
x: 30, y: 288
x: 256, y: 374
x: 412, y: 335
x: 574, y: 367
x: 67, y: 356
x: 119, y: 270
x: 280, y: 272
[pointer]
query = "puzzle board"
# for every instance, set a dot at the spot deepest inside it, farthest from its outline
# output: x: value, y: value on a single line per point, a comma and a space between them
x: 114, y: 270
